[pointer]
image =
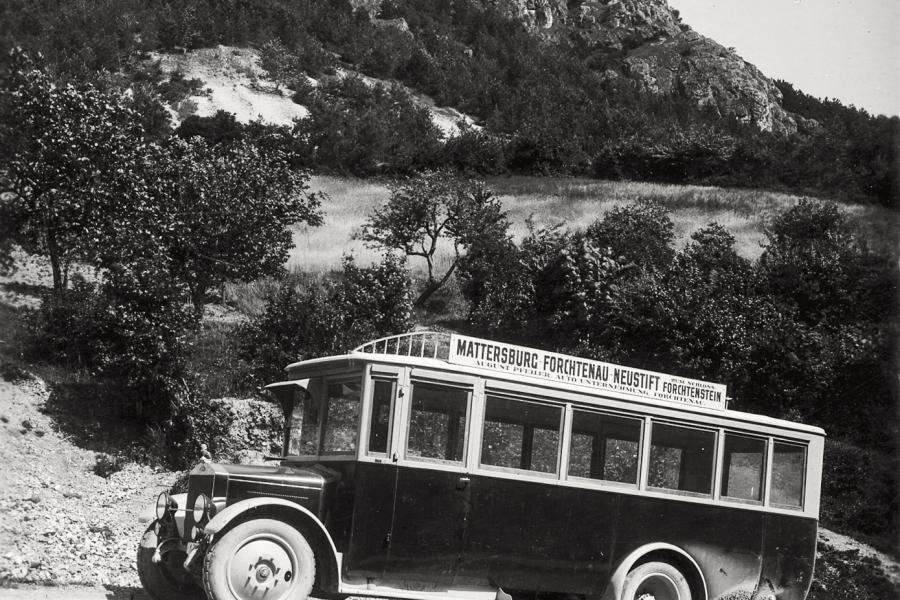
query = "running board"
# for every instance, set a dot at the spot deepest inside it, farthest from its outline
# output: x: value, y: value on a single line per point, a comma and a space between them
x: 409, y: 590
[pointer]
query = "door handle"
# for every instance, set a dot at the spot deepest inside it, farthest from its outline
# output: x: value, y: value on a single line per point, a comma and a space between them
x: 463, y: 483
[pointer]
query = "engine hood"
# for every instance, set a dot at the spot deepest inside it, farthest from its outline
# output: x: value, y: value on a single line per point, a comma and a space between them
x: 227, y: 484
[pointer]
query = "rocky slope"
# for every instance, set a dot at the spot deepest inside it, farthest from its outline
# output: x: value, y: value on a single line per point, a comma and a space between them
x: 651, y: 46
x: 234, y: 82
x: 662, y: 55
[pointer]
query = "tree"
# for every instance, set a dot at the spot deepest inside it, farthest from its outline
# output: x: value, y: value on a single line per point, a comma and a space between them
x: 431, y: 207
x: 229, y: 208
x: 71, y: 155
x: 279, y: 62
x: 640, y: 233
x: 360, y: 304
x: 219, y: 128
x: 367, y: 129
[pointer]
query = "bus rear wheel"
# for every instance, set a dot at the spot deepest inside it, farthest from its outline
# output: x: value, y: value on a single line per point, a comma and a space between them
x: 656, y: 581
x: 261, y: 558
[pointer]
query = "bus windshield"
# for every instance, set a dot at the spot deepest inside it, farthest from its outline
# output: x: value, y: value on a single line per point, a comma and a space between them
x: 325, y: 419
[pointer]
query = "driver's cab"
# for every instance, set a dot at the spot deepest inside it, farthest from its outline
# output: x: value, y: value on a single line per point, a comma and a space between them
x: 394, y: 437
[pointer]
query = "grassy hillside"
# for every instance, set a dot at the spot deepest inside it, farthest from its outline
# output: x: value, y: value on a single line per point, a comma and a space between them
x: 576, y: 203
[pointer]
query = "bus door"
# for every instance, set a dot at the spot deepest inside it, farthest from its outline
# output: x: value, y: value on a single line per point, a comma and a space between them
x: 432, y: 491
x: 375, y: 482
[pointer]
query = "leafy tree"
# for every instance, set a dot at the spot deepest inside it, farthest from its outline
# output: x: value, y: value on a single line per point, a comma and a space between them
x: 219, y: 128
x: 361, y: 129
x: 640, y: 233
x: 360, y: 304
x: 431, y: 207
x: 155, y: 120
x: 229, y: 208
x: 701, y: 316
x: 839, y: 335
x: 814, y: 261
x: 71, y: 154
x: 279, y: 62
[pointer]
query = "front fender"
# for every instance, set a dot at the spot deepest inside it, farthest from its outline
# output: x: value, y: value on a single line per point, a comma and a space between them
x: 222, y: 519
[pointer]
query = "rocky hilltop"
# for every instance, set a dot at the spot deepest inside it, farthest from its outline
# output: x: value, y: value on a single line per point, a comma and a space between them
x: 661, y: 54
x: 651, y: 46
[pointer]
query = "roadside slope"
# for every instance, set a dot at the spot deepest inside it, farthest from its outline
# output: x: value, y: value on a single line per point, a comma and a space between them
x: 60, y: 522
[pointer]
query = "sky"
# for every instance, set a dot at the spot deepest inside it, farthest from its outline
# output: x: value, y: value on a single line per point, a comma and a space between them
x: 844, y: 49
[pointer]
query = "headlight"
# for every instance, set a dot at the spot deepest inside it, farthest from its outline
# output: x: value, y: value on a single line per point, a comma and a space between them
x: 201, y: 505
x: 163, y: 503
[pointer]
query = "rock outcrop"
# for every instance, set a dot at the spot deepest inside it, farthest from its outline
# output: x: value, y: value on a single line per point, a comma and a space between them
x: 650, y: 46
x: 661, y: 55
x: 713, y: 76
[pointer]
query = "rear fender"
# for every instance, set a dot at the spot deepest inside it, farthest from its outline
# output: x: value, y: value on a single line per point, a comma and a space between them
x: 617, y: 580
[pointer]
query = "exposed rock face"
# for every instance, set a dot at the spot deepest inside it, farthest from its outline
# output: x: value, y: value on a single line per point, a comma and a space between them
x: 622, y: 24
x: 536, y: 14
x: 657, y: 51
x: 662, y: 55
x: 714, y: 77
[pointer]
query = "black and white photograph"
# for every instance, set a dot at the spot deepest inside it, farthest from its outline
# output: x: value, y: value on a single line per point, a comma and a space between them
x: 449, y: 299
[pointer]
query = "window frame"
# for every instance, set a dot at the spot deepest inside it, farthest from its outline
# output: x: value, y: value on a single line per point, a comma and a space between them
x: 804, y: 471
x: 642, y: 433
x: 714, y: 473
x: 327, y: 377
x: 723, y: 473
x: 405, y: 400
x: 369, y: 413
x: 555, y: 476
x: 323, y: 421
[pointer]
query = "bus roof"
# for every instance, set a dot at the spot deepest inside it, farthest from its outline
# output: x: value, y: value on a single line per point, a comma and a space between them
x: 548, y: 370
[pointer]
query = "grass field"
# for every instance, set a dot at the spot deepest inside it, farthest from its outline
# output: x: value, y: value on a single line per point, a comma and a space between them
x: 575, y: 202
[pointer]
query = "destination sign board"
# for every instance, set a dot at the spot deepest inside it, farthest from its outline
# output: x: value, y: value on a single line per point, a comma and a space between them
x: 601, y: 376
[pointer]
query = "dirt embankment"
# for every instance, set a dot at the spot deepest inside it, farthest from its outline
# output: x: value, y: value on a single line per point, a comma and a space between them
x: 60, y: 522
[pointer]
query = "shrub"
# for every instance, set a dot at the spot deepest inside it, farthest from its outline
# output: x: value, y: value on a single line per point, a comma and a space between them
x: 355, y: 128
x: 860, y: 491
x: 475, y: 150
x: 361, y: 303
x: 220, y: 128
x: 844, y: 575
x: 639, y: 233
x: 113, y: 332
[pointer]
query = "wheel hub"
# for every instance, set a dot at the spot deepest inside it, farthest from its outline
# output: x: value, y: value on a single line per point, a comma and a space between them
x: 263, y: 567
x: 657, y: 587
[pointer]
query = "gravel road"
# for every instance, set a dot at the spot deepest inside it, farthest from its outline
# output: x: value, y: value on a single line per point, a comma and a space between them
x: 69, y: 592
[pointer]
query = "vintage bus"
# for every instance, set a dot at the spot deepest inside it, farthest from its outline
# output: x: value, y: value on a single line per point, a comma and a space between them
x: 432, y: 465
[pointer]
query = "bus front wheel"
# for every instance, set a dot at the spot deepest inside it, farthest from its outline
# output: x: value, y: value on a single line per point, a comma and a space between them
x: 656, y: 581
x: 261, y: 558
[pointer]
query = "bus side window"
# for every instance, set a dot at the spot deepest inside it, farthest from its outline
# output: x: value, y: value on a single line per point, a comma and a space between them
x: 437, y: 422
x: 341, y: 417
x: 521, y: 435
x: 604, y: 447
x: 743, y: 463
x: 681, y: 459
x: 303, y: 435
x: 788, y: 466
x: 379, y: 428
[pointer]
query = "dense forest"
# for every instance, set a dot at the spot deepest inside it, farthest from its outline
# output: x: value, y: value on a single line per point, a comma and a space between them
x: 544, y: 105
